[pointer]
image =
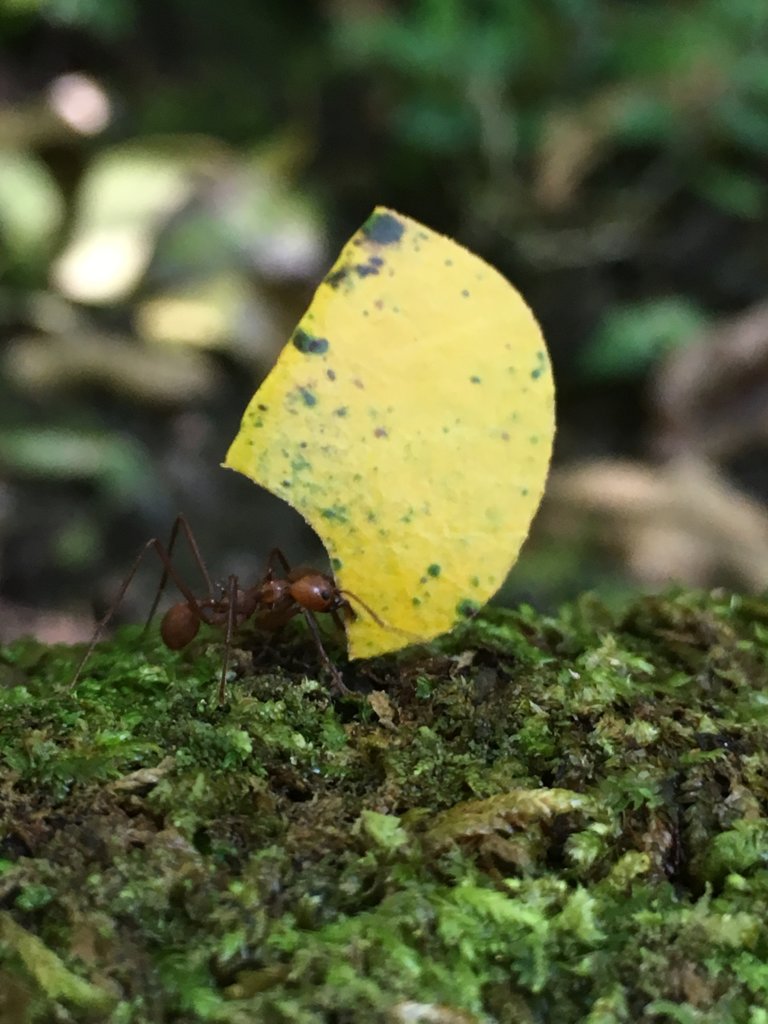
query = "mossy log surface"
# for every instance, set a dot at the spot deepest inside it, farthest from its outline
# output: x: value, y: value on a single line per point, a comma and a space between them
x: 540, y: 819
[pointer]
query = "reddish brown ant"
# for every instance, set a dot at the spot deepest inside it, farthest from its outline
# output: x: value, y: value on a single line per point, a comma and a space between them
x: 269, y: 604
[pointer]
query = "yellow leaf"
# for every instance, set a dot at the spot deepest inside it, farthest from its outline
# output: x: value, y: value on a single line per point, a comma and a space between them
x: 410, y: 421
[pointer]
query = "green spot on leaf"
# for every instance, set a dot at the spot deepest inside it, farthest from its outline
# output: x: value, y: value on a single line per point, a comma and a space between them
x: 309, y: 343
x: 337, y: 513
x: 383, y: 229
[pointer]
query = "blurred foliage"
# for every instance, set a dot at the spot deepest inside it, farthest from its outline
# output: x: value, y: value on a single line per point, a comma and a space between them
x: 631, y: 338
x: 171, y: 183
x: 550, y: 93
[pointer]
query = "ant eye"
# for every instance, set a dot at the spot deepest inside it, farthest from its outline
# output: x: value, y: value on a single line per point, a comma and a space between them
x: 326, y: 595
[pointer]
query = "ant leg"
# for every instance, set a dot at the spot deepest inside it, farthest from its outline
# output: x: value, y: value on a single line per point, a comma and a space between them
x: 276, y: 555
x: 152, y: 545
x: 230, y: 629
x: 338, y: 620
x: 180, y: 522
x: 339, y: 686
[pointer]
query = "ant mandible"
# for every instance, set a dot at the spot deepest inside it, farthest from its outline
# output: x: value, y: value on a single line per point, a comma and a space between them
x: 270, y: 604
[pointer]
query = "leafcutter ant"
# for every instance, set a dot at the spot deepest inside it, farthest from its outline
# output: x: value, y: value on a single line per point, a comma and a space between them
x: 280, y: 595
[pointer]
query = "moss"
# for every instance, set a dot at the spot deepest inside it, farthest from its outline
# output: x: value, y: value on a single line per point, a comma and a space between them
x: 538, y: 818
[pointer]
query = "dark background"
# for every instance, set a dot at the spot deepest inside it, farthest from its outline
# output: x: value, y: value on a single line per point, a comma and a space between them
x: 176, y: 176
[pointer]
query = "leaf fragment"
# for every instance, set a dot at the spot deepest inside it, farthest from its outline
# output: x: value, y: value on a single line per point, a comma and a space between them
x: 410, y: 421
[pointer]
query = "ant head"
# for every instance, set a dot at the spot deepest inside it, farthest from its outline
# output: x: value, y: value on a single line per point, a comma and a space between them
x: 316, y: 592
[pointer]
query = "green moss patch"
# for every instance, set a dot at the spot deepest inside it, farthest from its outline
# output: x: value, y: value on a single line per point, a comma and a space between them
x: 538, y: 819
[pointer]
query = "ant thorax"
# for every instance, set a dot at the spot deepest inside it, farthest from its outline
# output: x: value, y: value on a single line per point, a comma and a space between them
x: 273, y: 592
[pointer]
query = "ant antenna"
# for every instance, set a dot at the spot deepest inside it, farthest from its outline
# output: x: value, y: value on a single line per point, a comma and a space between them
x: 377, y: 618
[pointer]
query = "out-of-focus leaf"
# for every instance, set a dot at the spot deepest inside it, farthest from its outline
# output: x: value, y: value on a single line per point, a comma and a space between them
x: 23, y: 6
x: 712, y: 396
x: 31, y: 208
x: 644, y: 117
x: 127, y: 196
x: 49, y: 626
x: 278, y: 229
x: 115, y: 462
x: 148, y: 374
x: 204, y: 316
x: 745, y: 123
x: 249, y: 216
x: 574, y: 140
x: 736, y: 192
x: 222, y: 312
x: 102, y: 19
x: 647, y: 111
x: 631, y: 338
x: 680, y: 522
x: 435, y: 125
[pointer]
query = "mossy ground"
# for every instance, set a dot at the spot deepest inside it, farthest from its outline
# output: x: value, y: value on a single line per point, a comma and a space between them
x: 539, y: 820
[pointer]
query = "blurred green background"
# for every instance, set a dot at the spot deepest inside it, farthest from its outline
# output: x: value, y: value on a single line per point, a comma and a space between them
x: 176, y: 176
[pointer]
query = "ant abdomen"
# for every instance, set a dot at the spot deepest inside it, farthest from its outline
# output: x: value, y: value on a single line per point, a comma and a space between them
x: 180, y: 626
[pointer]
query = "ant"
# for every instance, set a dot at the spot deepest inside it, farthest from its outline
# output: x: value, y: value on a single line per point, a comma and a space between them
x: 270, y: 604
